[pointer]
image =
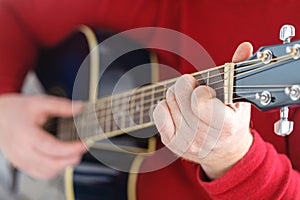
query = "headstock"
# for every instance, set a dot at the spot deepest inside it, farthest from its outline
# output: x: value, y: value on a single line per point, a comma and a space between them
x: 271, y: 78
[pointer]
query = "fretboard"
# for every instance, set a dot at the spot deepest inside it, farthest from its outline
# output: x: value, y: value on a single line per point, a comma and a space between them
x: 131, y: 110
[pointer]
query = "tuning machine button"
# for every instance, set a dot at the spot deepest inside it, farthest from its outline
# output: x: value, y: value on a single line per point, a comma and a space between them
x: 265, y: 56
x: 293, y: 92
x: 264, y: 97
x: 294, y: 51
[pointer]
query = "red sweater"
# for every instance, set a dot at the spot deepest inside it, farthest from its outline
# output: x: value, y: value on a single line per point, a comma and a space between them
x: 219, y: 26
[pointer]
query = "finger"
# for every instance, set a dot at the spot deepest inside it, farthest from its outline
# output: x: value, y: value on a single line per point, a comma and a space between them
x: 173, y: 107
x: 40, y: 165
x: 49, y: 145
x: 183, y: 132
x: 184, y: 87
x: 164, y: 122
x: 207, y: 107
x: 243, y: 52
x: 45, y: 167
x: 55, y: 106
x: 201, y: 100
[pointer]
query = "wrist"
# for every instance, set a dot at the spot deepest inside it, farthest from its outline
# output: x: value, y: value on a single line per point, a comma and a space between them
x: 218, y: 166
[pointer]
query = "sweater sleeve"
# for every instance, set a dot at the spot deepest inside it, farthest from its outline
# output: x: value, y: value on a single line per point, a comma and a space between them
x: 261, y: 174
x: 17, y: 51
x: 27, y: 25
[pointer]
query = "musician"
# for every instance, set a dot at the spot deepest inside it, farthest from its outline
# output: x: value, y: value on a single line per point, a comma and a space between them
x: 247, y: 162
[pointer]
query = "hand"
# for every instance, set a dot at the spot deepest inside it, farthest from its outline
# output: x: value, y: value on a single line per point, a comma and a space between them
x: 26, y: 144
x: 196, y: 125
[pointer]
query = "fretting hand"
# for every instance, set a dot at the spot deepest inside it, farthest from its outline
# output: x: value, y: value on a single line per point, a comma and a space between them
x: 196, y: 125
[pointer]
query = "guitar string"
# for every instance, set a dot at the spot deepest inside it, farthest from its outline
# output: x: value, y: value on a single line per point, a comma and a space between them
x: 246, y: 66
x: 131, y: 110
x: 147, y: 94
x: 117, y: 127
x: 106, y: 134
x: 172, y: 81
x: 136, y: 104
x: 147, y: 108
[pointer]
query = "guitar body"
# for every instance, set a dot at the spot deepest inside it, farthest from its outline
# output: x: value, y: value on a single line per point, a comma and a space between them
x: 57, y: 68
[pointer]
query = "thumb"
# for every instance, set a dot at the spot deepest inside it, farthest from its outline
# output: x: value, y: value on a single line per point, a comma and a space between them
x: 243, y: 52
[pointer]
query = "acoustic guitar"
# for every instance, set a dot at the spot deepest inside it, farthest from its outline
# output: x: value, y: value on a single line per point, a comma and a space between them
x: 116, y: 124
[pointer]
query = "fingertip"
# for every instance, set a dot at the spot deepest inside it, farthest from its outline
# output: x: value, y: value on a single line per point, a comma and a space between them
x: 158, y: 112
x: 184, y: 81
x: 81, y: 147
x: 77, y: 106
x: 203, y: 92
x: 243, y: 52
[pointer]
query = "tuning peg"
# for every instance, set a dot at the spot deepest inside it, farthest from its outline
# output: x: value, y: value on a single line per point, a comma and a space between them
x: 283, y: 127
x: 286, y: 33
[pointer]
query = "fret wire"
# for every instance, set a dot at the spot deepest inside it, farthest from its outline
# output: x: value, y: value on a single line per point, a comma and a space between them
x: 123, y: 116
x: 141, y: 113
x: 108, y: 114
x: 207, y: 78
x: 152, y: 99
x: 102, y: 118
x: 130, y: 110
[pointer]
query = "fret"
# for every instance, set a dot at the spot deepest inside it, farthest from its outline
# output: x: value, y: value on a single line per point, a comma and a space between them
x: 203, y: 78
x: 213, y: 78
x: 114, y: 113
x: 84, y: 118
x: 108, y: 117
x: 152, y: 104
x: 159, y: 93
x: 137, y: 108
x: 131, y: 110
x: 141, y: 120
x: 79, y: 120
x: 207, y: 78
x: 90, y: 124
x: 102, y: 115
x: 123, y: 113
x: 146, y: 105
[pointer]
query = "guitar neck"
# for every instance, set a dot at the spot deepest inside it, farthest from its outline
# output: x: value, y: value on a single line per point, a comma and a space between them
x: 132, y: 110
